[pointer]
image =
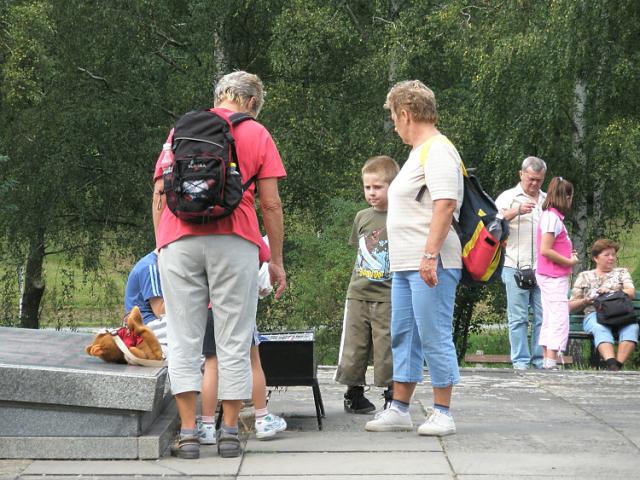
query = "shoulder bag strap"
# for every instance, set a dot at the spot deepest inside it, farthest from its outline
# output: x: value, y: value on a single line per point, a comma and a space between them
x: 532, y: 262
x: 518, y: 244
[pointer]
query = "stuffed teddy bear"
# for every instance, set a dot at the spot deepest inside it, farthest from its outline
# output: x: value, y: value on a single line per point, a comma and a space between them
x: 134, y: 344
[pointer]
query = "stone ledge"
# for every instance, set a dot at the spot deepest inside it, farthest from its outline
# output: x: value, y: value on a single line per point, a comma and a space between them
x: 151, y: 445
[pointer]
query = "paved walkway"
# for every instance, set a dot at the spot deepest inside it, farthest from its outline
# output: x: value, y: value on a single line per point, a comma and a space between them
x: 511, y: 425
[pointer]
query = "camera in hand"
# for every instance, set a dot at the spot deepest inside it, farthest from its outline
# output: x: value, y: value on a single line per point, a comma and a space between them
x: 525, y: 278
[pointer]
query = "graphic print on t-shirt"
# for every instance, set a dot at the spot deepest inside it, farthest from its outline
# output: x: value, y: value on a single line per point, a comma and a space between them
x: 372, y: 261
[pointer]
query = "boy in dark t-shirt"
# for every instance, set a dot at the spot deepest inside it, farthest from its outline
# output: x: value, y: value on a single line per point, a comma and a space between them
x: 367, y: 314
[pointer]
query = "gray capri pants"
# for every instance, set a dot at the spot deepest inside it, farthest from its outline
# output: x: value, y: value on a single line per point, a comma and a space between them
x: 222, y: 269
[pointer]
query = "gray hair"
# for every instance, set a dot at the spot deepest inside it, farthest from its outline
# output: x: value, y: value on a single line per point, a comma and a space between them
x: 239, y: 87
x: 534, y: 163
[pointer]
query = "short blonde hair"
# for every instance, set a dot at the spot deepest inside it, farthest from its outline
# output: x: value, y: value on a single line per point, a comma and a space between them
x: 239, y: 87
x: 415, y: 97
x: 384, y: 166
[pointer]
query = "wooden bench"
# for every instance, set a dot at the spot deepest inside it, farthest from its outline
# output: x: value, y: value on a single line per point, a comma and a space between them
x: 480, y: 358
x: 578, y: 337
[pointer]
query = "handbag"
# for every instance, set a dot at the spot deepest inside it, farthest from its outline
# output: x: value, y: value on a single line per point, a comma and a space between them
x: 525, y: 278
x: 525, y: 275
x: 614, y: 309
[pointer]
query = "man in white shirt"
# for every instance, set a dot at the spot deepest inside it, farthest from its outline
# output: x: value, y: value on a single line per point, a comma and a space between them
x: 521, y: 207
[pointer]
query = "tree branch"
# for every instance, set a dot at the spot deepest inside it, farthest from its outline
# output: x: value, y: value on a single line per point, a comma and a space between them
x: 171, y: 113
x: 171, y: 62
x: 95, y: 77
x: 354, y: 19
x: 383, y: 20
x: 170, y: 40
x: 100, y: 221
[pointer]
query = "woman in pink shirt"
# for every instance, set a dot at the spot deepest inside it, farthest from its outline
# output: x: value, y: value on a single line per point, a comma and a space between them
x: 555, y: 261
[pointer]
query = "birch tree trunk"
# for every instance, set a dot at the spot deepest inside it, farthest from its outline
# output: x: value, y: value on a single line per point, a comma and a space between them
x: 394, y: 11
x: 219, y: 56
x: 577, y: 145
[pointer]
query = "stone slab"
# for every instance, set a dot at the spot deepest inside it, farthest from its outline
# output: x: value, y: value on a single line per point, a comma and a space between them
x: 560, y: 464
x: 156, y: 441
x: 307, y: 441
x: 100, y: 467
x: 152, y: 444
x: 42, y: 420
x: 353, y: 477
x: 50, y: 367
x: 37, y: 420
x: 122, y: 477
x: 524, y: 477
x: 209, y: 463
x: 345, y: 463
x: 12, y: 468
x: 69, y: 447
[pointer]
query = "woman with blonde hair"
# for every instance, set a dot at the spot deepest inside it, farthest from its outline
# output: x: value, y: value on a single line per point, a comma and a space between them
x: 425, y: 258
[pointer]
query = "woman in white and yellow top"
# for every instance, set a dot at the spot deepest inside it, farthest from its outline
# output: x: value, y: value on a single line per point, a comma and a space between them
x: 425, y: 258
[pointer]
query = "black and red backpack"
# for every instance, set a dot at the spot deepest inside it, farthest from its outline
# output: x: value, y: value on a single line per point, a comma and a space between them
x: 204, y: 182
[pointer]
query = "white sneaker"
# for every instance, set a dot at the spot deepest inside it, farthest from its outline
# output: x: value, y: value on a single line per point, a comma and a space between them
x: 269, y: 425
x: 207, y: 433
x: 390, y: 420
x: 437, y: 423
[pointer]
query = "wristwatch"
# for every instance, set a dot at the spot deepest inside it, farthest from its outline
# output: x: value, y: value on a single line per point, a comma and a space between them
x: 430, y: 256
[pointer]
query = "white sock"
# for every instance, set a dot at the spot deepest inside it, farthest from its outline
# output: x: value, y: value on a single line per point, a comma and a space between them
x: 260, y: 413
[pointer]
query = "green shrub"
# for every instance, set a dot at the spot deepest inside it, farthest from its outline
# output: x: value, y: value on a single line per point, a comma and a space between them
x: 318, y: 263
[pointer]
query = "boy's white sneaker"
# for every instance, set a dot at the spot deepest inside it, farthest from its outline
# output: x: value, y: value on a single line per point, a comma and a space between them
x: 390, y: 420
x: 438, y: 424
x: 207, y: 433
x: 269, y: 425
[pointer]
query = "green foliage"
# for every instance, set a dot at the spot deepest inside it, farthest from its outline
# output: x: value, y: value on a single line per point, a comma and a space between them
x: 325, y: 112
x: 10, y: 294
x: 319, y: 265
x: 89, y: 90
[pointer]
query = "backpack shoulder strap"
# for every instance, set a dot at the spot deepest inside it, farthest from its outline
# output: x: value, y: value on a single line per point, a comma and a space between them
x: 424, y: 153
x: 236, y: 119
x: 239, y: 117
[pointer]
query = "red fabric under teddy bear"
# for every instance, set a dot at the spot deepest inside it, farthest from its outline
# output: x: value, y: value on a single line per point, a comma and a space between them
x: 135, y: 344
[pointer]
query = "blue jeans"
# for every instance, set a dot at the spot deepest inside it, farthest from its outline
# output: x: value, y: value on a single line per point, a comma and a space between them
x: 519, y: 301
x: 603, y: 334
x: 422, y: 327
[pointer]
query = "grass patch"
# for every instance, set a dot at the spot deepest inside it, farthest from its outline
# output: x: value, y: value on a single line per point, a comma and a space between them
x: 75, y: 297
x: 494, y: 341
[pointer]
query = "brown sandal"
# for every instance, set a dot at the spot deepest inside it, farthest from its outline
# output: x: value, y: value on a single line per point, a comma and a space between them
x: 186, y: 447
x: 228, y: 445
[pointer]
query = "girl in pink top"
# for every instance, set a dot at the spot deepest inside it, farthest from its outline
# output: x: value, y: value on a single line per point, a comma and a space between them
x: 555, y: 261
